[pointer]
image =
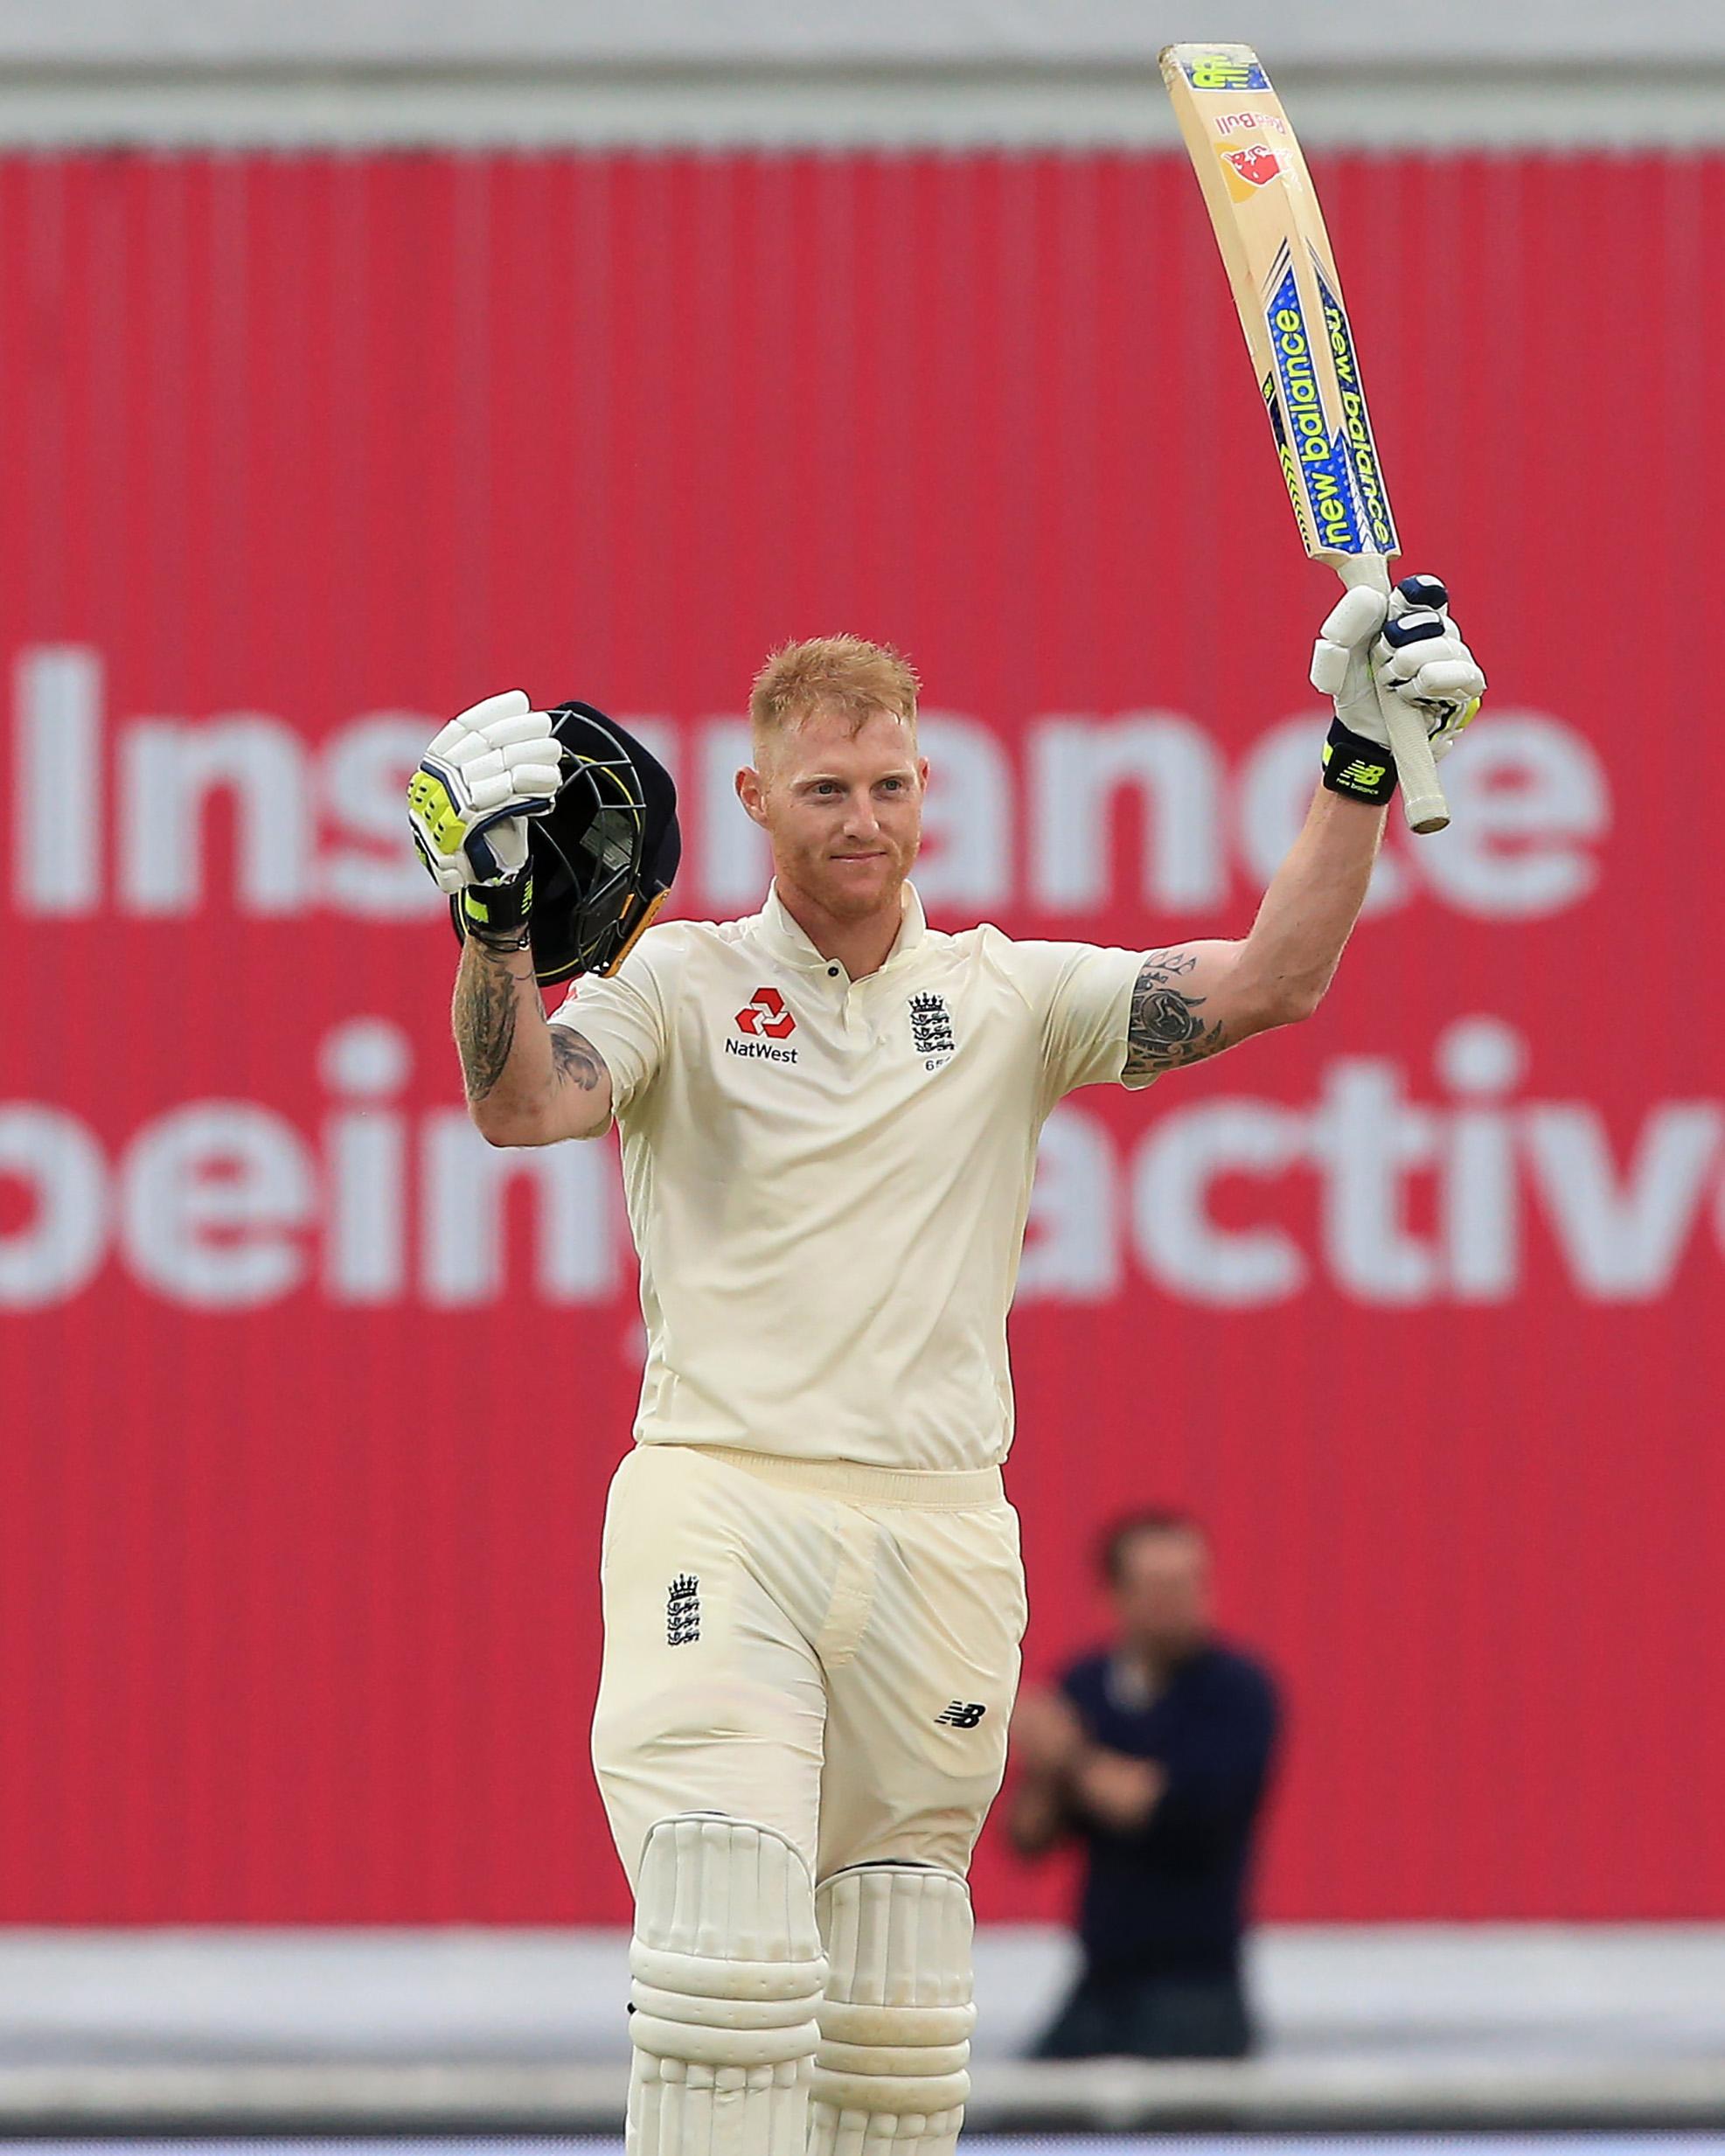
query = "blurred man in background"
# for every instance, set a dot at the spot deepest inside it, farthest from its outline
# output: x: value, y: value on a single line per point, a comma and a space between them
x: 1155, y: 1753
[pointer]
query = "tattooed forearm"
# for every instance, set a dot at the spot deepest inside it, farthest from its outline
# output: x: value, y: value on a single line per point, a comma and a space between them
x: 529, y: 1082
x: 485, y: 1015
x: 1165, y: 1031
x: 574, y: 1060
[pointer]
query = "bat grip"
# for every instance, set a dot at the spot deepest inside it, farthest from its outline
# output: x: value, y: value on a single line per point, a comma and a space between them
x: 1423, y: 798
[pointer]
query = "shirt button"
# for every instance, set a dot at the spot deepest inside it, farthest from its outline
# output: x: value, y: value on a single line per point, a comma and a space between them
x: 832, y: 972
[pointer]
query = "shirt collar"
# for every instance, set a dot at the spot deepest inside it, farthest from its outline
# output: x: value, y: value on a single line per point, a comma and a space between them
x: 786, y: 940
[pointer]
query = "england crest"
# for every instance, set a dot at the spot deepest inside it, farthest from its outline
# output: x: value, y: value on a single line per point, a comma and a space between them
x: 931, y: 1031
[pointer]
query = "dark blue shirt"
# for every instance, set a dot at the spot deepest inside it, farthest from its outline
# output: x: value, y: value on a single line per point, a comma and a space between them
x: 1168, y: 1897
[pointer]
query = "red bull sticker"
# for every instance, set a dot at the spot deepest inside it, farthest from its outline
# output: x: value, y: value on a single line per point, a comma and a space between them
x: 1235, y: 123
x: 1257, y: 166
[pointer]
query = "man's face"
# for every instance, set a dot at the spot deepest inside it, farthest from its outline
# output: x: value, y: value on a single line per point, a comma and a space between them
x: 844, y: 810
x: 1162, y: 1599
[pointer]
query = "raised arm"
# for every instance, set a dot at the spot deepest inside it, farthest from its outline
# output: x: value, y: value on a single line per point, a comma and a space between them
x: 1193, y: 1000
x: 494, y: 766
x: 528, y: 1083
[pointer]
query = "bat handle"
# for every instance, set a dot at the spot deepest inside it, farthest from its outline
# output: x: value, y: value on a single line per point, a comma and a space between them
x: 1421, y: 792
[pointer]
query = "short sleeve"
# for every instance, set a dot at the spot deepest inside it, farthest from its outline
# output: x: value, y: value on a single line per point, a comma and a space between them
x: 1082, y: 996
x: 624, y: 1018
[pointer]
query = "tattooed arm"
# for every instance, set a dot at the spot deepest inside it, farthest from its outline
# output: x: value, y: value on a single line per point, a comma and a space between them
x: 1195, y: 1000
x: 528, y: 1083
x: 1175, y: 1021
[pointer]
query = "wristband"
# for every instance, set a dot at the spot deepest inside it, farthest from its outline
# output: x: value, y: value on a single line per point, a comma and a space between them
x: 496, y: 914
x: 1358, y: 767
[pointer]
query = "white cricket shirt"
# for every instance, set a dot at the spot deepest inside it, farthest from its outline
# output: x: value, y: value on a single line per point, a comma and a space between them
x: 827, y: 1180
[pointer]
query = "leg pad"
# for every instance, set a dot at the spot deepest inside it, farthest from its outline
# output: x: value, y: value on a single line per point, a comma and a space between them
x: 895, y: 2023
x: 727, y: 1975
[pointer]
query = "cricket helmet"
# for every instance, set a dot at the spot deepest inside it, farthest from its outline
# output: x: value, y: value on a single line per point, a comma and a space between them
x: 604, y: 852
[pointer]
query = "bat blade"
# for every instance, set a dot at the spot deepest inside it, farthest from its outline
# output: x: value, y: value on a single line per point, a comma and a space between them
x: 1277, y: 251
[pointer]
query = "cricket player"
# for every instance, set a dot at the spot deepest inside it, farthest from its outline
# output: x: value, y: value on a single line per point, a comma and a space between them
x: 830, y: 1110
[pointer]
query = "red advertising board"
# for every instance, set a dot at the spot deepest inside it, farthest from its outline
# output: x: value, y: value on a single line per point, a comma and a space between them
x: 309, y: 1400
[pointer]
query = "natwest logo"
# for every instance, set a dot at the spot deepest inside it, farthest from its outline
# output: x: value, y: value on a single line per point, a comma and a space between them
x: 766, y: 1022
x: 766, y: 1015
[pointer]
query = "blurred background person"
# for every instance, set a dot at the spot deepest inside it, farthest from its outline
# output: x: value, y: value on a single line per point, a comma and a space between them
x: 1155, y: 1752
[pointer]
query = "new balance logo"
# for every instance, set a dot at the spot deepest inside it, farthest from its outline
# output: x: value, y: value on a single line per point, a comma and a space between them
x: 683, y: 1611
x: 931, y: 1029
x: 1357, y: 773
x: 962, y: 1714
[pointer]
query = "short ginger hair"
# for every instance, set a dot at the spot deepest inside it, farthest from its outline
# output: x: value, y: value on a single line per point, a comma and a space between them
x: 847, y: 675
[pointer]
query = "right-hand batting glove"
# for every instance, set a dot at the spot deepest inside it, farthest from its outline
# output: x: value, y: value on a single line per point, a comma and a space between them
x: 490, y: 768
x: 1408, y: 646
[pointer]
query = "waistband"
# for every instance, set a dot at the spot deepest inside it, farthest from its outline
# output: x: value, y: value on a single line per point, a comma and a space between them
x: 956, y: 1491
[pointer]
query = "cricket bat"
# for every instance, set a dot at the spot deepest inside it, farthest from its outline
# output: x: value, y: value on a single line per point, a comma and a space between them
x: 1277, y: 253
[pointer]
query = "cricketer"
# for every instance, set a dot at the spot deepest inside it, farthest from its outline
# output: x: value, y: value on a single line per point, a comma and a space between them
x: 829, y: 1111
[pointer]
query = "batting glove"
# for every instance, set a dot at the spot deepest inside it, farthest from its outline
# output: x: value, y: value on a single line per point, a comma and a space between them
x: 1409, y: 645
x: 489, y: 770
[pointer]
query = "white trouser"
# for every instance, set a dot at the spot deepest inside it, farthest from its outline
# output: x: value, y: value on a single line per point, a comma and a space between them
x: 827, y: 1651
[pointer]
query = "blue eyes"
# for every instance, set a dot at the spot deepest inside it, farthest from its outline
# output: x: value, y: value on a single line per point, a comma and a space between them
x: 827, y: 788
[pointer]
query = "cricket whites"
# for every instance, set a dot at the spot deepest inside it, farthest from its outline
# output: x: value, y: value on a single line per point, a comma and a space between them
x: 1277, y: 253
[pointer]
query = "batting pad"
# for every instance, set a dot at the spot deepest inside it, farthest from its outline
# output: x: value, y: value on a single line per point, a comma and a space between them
x: 728, y: 1974
x: 896, y: 2020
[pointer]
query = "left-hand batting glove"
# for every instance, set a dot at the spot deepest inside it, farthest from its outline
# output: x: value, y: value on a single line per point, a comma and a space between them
x: 487, y: 772
x: 1410, y: 646
x: 496, y: 764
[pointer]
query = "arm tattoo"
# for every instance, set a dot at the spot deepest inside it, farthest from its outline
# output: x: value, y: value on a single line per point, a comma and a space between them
x: 1165, y: 1032
x: 574, y: 1061
x: 485, y: 1025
